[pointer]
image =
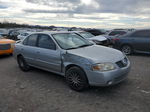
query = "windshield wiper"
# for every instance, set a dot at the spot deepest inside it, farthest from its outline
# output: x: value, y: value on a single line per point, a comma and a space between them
x: 72, y: 48
x: 85, y: 45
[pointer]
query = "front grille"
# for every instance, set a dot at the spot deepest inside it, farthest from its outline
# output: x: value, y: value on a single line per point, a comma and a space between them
x: 5, y: 46
x: 122, y: 63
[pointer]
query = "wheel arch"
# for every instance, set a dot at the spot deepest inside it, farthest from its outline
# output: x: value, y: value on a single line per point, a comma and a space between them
x: 72, y: 65
x: 75, y: 65
x: 126, y: 44
x: 132, y: 48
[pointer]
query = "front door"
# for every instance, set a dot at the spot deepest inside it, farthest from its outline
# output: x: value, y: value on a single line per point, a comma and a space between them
x: 48, y: 56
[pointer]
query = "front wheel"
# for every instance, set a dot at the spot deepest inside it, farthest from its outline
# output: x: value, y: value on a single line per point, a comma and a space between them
x: 76, y: 79
x: 22, y: 64
x: 126, y: 49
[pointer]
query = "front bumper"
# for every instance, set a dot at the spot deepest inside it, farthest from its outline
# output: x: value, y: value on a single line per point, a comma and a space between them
x: 97, y: 78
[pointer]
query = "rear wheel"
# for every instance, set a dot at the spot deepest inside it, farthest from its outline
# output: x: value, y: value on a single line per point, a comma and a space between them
x: 76, y: 79
x: 22, y: 64
x: 126, y: 49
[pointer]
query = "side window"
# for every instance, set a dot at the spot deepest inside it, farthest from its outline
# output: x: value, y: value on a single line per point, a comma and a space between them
x: 142, y: 33
x: 46, y: 42
x: 31, y: 40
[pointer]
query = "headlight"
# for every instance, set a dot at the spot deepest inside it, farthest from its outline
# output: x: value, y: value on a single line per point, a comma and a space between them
x: 103, y: 67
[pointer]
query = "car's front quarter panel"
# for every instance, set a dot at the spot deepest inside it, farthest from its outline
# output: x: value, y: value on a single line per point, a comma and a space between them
x: 71, y: 59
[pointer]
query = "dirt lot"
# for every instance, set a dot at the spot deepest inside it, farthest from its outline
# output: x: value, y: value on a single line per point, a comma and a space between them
x: 40, y: 91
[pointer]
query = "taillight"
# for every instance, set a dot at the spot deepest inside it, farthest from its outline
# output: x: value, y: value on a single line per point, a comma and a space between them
x: 115, y: 39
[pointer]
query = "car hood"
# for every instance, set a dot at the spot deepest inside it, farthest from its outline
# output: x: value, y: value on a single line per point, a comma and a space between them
x: 98, y: 54
x: 98, y: 38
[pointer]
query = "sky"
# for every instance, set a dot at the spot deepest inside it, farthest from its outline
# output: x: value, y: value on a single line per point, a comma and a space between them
x: 78, y: 13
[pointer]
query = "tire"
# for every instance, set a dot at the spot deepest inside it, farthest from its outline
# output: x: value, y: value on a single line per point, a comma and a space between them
x: 126, y: 49
x: 11, y: 54
x: 22, y: 64
x: 76, y: 79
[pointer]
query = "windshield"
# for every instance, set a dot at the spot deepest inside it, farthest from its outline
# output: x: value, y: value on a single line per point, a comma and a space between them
x: 70, y: 41
x: 86, y: 34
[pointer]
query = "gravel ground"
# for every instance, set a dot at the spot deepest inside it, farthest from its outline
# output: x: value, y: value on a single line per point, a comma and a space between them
x: 41, y: 91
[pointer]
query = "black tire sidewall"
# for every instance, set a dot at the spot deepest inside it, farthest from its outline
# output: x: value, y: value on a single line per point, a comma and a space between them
x: 25, y: 66
x: 131, y: 50
x: 81, y: 74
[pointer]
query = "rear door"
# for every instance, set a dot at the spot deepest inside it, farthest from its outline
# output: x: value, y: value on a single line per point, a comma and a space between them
x: 28, y: 49
x: 48, y: 56
x: 141, y: 40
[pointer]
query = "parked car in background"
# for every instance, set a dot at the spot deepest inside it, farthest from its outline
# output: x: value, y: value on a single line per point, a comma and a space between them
x: 4, y: 32
x: 23, y: 35
x: 18, y: 34
x: 136, y: 41
x: 13, y: 34
x: 112, y: 34
x: 96, y: 32
x: 75, y: 58
x: 6, y: 46
x: 99, y: 40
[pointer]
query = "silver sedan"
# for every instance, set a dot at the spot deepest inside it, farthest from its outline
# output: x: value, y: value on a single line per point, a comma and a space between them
x: 75, y: 58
